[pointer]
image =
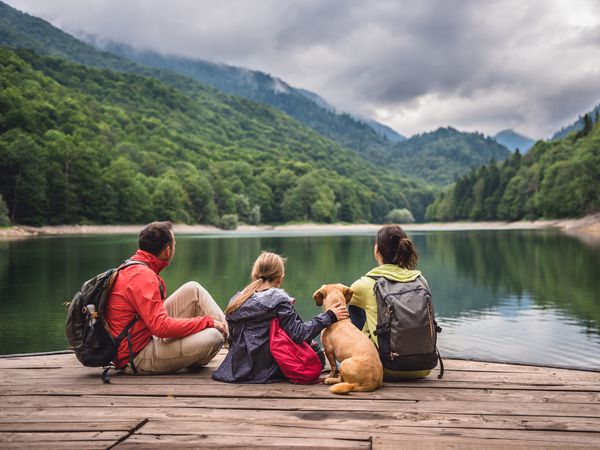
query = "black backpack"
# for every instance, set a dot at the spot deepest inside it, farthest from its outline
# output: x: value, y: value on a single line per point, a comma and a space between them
x: 406, y: 327
x: 86, y: 328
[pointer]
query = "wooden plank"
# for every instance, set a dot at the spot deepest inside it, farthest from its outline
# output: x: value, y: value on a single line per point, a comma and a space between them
x: 58, y: 376
x: 358, y: 419
x: 236, y: 441
x: 94, y: 444
x: 453, y: 368
x: 361, y: 430
x: 452, y: 365
x: 422, y: 396
x: 398, y: 423
x: 274, y: 390
x: 51, y: 437
x: 71, y: 426
x: 335, y: 404
x: 386, y: 442
x: 283, y: 391
x: 478, y: 366
x: 252, y: 428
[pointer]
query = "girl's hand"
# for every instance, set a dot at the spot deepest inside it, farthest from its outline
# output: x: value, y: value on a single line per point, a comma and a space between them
x: 340, y: 311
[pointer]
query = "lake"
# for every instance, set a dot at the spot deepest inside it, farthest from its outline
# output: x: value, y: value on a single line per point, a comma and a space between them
x: 516, y: 296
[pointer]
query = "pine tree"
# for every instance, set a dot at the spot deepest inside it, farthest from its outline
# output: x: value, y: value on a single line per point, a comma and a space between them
x: 4, y: 219
x: 587, y: 127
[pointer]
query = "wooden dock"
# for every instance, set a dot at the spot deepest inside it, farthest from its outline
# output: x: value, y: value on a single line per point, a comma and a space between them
x: 51, y: 401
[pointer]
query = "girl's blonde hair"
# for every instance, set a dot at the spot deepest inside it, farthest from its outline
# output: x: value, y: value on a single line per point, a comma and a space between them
x: 267, y: 267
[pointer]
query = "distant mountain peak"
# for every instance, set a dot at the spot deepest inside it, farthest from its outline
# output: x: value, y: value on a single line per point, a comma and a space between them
x: 513, y: 140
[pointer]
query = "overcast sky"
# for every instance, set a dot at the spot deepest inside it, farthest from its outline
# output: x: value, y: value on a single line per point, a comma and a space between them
x: 533, y: 66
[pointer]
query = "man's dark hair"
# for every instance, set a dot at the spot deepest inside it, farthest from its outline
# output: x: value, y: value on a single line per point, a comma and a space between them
x: 155, y: 237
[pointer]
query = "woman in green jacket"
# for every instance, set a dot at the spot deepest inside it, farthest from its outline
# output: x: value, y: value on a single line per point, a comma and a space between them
x: 396, y: 257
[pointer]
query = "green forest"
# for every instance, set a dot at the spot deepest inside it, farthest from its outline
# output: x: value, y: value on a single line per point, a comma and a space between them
x: 554, y: 179
x: 81, y: 145
x: 92, y: 137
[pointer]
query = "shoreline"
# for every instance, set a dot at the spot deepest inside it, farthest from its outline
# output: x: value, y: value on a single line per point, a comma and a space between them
x: 588, y: 227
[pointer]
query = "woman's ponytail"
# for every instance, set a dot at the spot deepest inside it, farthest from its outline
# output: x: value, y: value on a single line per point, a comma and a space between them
x: 406, y: 255
x: 396, y: 248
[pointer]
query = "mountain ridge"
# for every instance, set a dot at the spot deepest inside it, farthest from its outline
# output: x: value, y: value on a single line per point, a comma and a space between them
x: 444, y: 148
x: 305, y: 106
x: 578, y: 124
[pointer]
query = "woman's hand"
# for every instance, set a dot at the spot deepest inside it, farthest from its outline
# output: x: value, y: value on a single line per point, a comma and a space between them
x: 340, y: 311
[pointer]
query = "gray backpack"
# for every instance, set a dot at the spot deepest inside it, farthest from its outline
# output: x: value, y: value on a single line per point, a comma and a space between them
x: 406, y: 327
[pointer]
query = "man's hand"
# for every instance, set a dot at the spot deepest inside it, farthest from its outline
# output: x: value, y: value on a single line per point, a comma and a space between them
x: 340, y: 311
x: 221, y: 327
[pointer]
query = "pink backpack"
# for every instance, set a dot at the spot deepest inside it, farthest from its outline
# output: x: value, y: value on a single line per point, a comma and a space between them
x: 299, y: 363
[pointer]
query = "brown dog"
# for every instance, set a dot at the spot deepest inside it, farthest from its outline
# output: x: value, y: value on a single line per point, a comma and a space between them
x: 360, y: 367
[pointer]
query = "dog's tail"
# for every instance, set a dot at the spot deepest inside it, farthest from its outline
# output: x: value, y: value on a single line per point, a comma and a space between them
x: 342, y: 388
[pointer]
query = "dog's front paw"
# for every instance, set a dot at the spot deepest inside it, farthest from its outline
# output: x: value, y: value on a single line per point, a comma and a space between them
x: 332, y: 380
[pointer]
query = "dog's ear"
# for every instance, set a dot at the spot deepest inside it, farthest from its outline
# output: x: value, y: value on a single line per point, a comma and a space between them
x: 319, y: 295
x: 348, y: 293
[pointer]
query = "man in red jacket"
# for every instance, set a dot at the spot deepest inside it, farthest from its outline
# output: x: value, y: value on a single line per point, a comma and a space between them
x: 187, y: 329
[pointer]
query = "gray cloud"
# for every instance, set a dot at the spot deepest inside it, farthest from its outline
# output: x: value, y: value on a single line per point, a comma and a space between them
x: 414, y: 65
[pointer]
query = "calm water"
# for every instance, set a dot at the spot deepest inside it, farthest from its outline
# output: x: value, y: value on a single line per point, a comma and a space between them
x: 520, y: 296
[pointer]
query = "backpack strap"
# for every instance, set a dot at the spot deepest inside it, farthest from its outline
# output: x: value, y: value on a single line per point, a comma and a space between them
x: 126, y: 331
x: 441, y: 364
x: 118, y: 339
x: 133, y: 262
x: 131, y: 354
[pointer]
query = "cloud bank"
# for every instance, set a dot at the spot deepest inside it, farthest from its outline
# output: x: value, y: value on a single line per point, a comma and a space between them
x: 413, y: 65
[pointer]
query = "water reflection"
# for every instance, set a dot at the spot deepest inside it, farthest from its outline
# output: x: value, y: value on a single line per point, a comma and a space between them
x: 527, y: 296
x: 476, y: 270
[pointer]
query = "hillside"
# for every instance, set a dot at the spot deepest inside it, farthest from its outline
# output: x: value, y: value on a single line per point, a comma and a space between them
x: 79, y: 144
x: 306, y: 107
x: 578, y: 124
x: 554, y: 179
x: 412, y: 170
x: 513, y: 140
x: 439, y: 157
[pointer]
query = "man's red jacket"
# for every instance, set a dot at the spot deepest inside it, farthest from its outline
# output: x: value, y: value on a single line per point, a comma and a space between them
x: 137, y: 292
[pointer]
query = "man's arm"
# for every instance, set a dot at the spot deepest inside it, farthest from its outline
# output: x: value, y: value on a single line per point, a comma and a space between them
x: 145, y: 295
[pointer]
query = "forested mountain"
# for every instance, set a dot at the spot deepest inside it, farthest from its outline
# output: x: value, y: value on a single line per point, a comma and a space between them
x: 90, y: 142
x: 306, y: 107
x: 20, y: 30
x: 578, y: 124
x: 513, y: 140
x: 554, y: 179
x: 79, y: 144
x: 441, y: 156
x: 218, y: 134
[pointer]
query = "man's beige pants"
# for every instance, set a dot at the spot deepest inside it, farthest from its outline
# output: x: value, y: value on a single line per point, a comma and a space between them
x: 170, y: 355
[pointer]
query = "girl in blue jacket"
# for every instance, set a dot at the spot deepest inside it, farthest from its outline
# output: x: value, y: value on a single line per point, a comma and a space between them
x: 249, y: 315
